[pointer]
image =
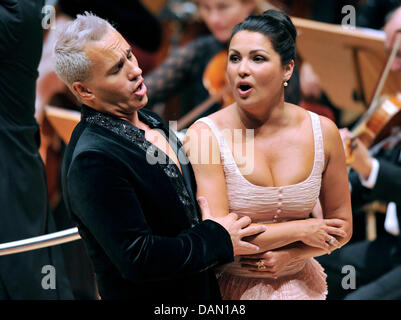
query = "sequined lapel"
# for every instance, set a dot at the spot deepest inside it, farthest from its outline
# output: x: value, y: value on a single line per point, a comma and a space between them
x: 155, y: 156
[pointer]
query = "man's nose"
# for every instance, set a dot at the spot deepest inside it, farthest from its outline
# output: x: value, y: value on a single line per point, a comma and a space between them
x: 214, y: 17
x: 134, y: 71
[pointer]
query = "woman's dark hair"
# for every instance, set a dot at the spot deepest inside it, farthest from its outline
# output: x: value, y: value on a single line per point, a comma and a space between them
x: 278, y: 27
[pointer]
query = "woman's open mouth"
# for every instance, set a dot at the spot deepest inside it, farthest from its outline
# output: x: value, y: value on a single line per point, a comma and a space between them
x: 244, y: 90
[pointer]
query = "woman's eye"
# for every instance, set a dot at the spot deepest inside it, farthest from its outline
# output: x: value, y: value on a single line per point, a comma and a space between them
x: 234, y: 58
x: 129, y: 57
x: 259, y: 59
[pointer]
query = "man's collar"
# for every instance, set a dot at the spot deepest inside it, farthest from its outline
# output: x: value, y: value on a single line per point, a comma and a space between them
x: 90, y: 113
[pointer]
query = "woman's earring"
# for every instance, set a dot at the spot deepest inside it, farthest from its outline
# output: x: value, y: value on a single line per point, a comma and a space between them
x: 285, y: 83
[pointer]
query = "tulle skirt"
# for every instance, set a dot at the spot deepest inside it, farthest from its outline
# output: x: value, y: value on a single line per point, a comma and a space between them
x: 307, y: 284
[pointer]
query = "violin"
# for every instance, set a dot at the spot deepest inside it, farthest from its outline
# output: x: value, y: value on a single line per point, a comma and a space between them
x: 215, y: 82
x: 215, y: 79
x: 383, y: 115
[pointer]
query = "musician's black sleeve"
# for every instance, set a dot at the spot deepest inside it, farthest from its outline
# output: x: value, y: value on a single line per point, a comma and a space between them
x: 388, y: 183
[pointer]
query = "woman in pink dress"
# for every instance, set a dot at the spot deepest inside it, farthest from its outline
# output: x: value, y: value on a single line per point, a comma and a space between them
x: 272, y: 161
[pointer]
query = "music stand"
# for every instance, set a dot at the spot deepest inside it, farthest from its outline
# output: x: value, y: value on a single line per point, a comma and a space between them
x: 349, y: 62
x: 63, y: 121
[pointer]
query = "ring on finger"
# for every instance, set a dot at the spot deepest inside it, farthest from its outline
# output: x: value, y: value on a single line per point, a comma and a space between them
x: 261, y: 264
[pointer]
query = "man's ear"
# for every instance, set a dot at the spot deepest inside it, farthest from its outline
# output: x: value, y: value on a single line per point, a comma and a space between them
x: 288, y: 70
x: 83, y: 91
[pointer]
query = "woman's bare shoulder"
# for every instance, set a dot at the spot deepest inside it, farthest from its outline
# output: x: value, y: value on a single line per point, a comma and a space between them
x: 298, y: 115
x: 329, y: 128
x: 219, y: 118
x: 331, y: 138
x: 224, y: 117
x: 331, y: 135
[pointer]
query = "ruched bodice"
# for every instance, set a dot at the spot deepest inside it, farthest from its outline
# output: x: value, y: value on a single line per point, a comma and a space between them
x: 273, y: 205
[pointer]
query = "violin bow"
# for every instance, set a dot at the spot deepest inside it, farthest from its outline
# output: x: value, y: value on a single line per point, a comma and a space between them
x: 375, y: 101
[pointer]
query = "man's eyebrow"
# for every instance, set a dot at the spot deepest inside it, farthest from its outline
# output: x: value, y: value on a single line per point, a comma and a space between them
x: 121, y: 61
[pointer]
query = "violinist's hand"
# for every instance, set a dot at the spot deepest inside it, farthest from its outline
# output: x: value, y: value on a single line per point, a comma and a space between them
x: 347, y: 139
x: 362, y: 161
x: 345, y: 134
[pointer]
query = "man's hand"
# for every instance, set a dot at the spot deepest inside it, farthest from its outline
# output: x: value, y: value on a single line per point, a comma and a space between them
x: 237, y: 228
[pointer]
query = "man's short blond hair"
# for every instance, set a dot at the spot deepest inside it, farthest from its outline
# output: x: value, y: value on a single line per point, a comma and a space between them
x: 69, y: 59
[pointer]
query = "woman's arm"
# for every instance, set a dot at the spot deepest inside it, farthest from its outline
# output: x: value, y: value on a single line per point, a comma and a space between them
x: 204, y: 154
x: 335, y: 196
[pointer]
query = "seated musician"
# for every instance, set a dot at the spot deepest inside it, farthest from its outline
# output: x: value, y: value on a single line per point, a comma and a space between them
x: 377, y: 263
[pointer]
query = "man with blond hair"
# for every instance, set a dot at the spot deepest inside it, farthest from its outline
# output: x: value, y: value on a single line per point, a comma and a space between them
x: 140, y: 221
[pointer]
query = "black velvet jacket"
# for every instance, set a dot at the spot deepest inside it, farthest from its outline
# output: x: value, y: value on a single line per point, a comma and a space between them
x: 140, y: 221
